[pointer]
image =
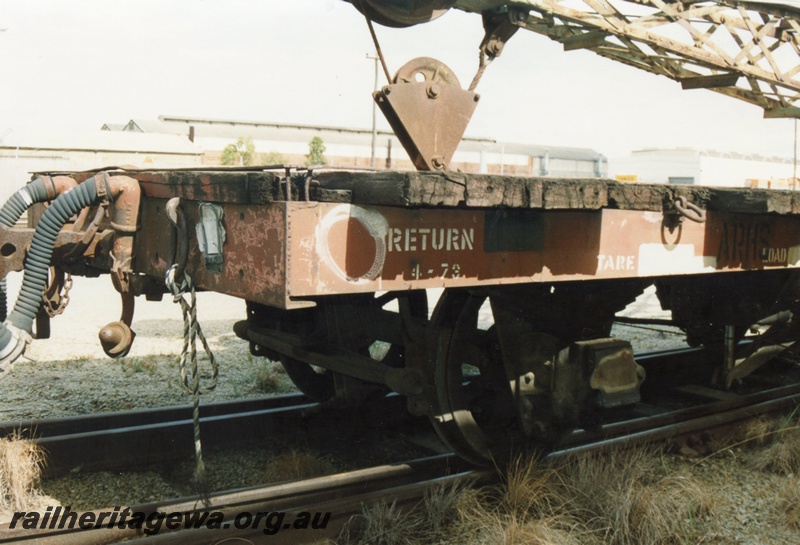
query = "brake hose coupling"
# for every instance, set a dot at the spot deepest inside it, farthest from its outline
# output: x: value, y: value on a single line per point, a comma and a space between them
x: 16, y: 347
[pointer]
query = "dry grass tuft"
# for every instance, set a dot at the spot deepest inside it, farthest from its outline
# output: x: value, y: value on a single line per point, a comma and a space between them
x: 526, y: 508
x: 667, y: 509
x: 787, y: 503
x: 142, y: 364
x: 21, y: 462
x: 540, y: 531
x: 431, y: 521
x: 268, y: 379
x: 529, y: 490
x: 758, y: 432
x: 297, y: 464
x: 387, y: 524
x: 626, y: 498
x: 782, y: 456
x: 621, y: 498
x: 440, y: 506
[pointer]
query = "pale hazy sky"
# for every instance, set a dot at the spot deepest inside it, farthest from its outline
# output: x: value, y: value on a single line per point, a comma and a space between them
x: 84, y: 63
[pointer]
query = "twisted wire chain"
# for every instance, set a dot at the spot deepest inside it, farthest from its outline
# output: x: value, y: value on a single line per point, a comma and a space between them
x: 191, y: 332
x: 483, y: 63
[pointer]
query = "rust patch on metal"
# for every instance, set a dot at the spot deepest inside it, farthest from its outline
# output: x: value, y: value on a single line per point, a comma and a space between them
x: 254, y: 264
x: 17, y: 240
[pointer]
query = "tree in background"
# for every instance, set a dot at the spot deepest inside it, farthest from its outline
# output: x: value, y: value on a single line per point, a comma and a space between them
x: 316, y: 151
x: 273, y: 158
x: 239, y: 154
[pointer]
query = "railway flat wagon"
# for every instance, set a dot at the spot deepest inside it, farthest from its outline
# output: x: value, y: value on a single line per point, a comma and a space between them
x: 337, y: 266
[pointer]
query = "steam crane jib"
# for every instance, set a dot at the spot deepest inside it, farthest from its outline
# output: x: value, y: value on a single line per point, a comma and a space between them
x: 744, y: 49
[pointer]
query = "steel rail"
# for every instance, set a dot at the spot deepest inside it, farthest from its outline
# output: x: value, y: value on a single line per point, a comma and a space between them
x: 50, y: 427
x: 325, y: 491
x: 727, y: 404
x: 168, y: 435
x: 343, y: 495
x: 683, y: 422
x: 143, y: 439
x: 404, y: 483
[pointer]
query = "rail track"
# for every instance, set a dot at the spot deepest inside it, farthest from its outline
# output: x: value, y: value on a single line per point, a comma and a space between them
x: 682, y: 408
x: 342, y: 495
x: 685, y: 407
x: 667, y: 411
x: 145, y: 439
x: 405, y: 483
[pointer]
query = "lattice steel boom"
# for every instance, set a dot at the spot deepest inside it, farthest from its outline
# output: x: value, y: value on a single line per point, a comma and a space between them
x: 745, y: 49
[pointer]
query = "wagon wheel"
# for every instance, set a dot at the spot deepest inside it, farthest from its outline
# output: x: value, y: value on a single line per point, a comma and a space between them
x: 314, y: 382
x: 477, y: 417
x: 319, y: 384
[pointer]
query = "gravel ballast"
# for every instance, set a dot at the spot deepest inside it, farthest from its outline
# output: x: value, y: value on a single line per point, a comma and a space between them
x: 70, y: 375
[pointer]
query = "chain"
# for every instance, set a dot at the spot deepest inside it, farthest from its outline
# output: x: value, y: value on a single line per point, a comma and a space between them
x: 50, y: 306
x: 690, y: 211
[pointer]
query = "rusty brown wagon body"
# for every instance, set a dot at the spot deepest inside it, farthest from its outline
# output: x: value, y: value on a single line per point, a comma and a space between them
x: 319, y: 254
x: 335, y: 264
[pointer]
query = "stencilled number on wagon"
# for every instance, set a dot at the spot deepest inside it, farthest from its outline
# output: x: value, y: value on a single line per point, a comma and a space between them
x: 447, y: 270
x: 450, y: 270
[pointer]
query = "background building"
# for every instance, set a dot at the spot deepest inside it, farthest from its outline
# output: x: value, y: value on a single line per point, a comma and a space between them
x: 171, y: 141
x: 26, y: 151
x: 704, y: 167
x: 352, y: 147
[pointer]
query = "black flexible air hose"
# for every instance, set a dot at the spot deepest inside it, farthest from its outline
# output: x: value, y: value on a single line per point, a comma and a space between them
x: 11, y: 211
x: 37, y: 262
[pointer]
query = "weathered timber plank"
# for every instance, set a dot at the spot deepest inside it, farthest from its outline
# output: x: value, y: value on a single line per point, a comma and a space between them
x: 210, y: 186
x: 636, y: 196
x: 565, y: 194
x: 390, y: 192
x: 454, y: 189
x: 492, y: 191
x: 441, y: 189
x: 389, y: 188
x: 331, y: 195
x: 347, y: 179
x: 753, y: 201
x: 445, y: 189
